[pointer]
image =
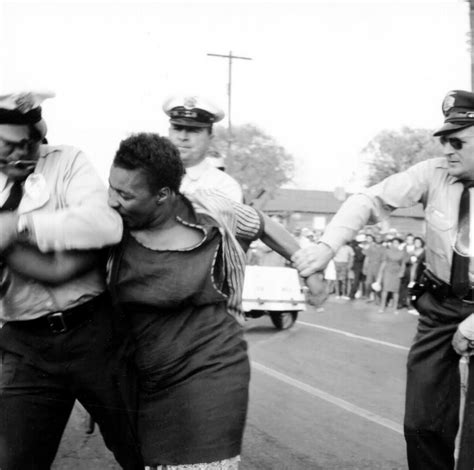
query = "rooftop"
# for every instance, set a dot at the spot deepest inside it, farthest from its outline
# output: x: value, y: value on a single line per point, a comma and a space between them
x: 322, y: 202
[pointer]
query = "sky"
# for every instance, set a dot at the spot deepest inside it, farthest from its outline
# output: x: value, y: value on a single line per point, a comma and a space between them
x: 324, y: 79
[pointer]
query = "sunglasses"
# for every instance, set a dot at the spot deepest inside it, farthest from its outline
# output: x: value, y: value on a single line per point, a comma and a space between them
x: 9, y: 146
x: 455, y: 142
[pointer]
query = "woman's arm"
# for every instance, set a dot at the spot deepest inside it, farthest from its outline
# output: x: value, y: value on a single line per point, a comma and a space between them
x: 278, y: 238
x: 54, y: 267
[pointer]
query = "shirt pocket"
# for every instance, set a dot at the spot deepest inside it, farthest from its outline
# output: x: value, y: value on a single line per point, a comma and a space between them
x: 437, y: 219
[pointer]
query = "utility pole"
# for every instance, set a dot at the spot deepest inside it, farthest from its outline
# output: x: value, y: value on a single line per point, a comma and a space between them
x: 471, y: 40
x: 229, y: 95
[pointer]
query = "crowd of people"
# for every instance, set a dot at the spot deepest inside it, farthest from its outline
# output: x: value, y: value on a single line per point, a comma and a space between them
x: 374, y: 267
x: 377, y: 268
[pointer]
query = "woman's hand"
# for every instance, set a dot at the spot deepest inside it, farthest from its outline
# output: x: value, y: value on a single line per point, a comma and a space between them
x: 318, y: 291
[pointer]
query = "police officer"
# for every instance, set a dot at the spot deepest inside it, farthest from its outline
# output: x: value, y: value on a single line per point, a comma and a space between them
x: 191, y: 121
x: 446, y: 305
x: 60, y: 340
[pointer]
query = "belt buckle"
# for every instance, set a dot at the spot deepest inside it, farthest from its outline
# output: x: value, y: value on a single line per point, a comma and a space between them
x: 469, y: 298
x: 56, y: 322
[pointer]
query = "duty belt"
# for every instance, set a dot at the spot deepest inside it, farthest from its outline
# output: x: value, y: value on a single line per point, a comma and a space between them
x: 441, y: 289
x: 62, y: 321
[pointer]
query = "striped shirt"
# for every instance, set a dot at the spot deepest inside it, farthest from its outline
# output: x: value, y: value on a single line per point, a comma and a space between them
x: 235, y: 220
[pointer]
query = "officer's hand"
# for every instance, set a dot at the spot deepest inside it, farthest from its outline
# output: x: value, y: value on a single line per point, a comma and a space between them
x: 318, y: 291
x: 462, y: 345
x: 8, y: 229
x: 312, y: 258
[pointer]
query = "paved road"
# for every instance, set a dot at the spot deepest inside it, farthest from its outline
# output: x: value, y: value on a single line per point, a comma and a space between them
x: 326, y: 394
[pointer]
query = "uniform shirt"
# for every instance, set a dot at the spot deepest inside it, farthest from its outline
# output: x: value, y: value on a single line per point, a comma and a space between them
x: 205, y: 176
x: 73, y: 215
x: 428, y: 183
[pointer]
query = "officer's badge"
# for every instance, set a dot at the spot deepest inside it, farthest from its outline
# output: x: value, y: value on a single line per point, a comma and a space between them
x: 448, y: 102
x: 36, y: 193
x: 190, y: 102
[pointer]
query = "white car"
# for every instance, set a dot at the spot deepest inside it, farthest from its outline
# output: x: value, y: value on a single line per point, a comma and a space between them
x: 273, y: 291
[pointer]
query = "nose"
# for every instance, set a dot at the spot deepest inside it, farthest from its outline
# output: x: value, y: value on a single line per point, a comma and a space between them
x: 112, y: 199
x: 182, y: 134
x: 21, y: 151
x: 448, y: 149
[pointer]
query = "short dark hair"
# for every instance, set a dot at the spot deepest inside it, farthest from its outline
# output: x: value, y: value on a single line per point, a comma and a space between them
x: 421, y: 240
x: 156, y: 156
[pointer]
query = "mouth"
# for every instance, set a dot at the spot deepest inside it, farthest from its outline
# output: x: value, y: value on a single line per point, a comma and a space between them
x: 18, y: 164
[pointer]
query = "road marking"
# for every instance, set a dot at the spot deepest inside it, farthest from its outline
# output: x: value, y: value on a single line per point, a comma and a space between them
x: 345, y: 405
x: 352, y: 335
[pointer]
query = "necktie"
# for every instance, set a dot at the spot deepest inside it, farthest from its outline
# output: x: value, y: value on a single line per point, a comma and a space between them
x: 13, y: 200
x: 460, y: 266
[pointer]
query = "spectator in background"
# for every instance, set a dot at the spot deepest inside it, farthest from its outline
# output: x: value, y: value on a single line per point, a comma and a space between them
x: 357, y: 267
x: 343, y: 261
x: 373, y: 259
x: 391, y: 271
x: 408, y: 247
x: 330, y: 276
x: 304, y: 238
x: 416, y: 256
x: 417, y: 266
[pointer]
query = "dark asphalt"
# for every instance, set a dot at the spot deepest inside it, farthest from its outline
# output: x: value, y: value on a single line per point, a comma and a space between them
x: 327, y: 394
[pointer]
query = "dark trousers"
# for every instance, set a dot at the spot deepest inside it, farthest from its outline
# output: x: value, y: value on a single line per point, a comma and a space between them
x: 403, y: 300
x: 433, y: 389
x: 42, y: 373
x: 359, y: 279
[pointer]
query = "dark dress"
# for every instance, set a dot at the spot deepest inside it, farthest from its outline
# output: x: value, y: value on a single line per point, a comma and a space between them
x: 192, y: 358
x: 394, y: 259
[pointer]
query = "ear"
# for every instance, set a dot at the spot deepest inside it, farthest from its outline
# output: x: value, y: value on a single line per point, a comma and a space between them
x: 162, y: 195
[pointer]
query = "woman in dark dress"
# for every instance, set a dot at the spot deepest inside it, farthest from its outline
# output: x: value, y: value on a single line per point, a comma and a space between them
x: 391, y: 271
x: 177, y: 275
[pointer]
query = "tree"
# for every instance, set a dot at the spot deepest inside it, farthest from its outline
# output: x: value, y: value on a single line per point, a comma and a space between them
x: 393, y: 151
x: 256, y: 160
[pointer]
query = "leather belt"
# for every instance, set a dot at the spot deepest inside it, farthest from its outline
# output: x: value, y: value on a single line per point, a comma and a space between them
x: 63, y: 321
x: 441, y: 289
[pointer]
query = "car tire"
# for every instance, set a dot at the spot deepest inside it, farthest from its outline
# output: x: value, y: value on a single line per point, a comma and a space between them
x: 283, y: 320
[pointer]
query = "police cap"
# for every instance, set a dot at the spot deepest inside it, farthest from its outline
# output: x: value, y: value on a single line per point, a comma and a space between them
x: 23, y: 108
x: 192, y: 111
x: 458, y: 110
